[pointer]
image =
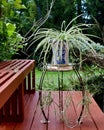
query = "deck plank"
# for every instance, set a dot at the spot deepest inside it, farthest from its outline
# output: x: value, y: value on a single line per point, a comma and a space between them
x: 71, y: 111
x: 87, y: 122
x: 30, y: 109
x: 7, y: 126
x: 33, y: 114
x: 36, y: 122
x: 97, y: 115
x: 54, y: 117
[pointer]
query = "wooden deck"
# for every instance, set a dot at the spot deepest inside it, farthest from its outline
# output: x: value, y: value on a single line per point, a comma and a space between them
x: 33, y: 115
x: 16, y: 78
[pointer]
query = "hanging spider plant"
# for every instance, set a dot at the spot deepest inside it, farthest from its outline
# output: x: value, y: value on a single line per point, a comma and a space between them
x: 64, y: 40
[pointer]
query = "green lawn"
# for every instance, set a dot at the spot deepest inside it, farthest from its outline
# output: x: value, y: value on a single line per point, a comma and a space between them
x: 70, y: 80
x: 51, y: 79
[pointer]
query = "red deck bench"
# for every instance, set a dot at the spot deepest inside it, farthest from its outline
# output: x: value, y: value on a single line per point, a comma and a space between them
x: 17, y: 77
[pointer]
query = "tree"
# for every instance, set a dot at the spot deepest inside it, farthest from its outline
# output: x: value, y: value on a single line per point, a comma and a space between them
x: 9, y: 36
x: 62, y: 10
x: 95, y: 10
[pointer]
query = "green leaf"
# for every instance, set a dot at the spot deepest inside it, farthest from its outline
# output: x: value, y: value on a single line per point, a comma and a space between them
x: 10, y: 29
x: 18, y: 4
x: 4, y: 2
x: 18, y: 1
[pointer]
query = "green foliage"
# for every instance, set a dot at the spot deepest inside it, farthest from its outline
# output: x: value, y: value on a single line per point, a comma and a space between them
x: 11, y: 8
x: 10, y: 40
x: 95, y: 12
x: 20, y: 12
x: 18, y: 4
x: 10, y: 29
x: 98, y: 47
x: 96, y: 84
x: 95, y: 8
x: 62, y: 10
x: 26, y: 18
x: 15, y: 20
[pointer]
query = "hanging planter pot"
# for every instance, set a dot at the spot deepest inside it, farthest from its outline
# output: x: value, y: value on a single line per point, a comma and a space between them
x: 60, y: 53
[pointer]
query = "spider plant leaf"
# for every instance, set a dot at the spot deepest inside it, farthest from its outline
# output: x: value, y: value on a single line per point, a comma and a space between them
x: 72, y: 21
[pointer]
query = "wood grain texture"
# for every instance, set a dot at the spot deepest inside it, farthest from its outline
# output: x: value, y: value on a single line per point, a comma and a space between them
x: 94, y: 120
x: 12, y: 87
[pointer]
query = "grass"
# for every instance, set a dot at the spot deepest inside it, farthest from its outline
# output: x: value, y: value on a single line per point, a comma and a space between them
x: 70, y: 80
x: 51, y: 80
